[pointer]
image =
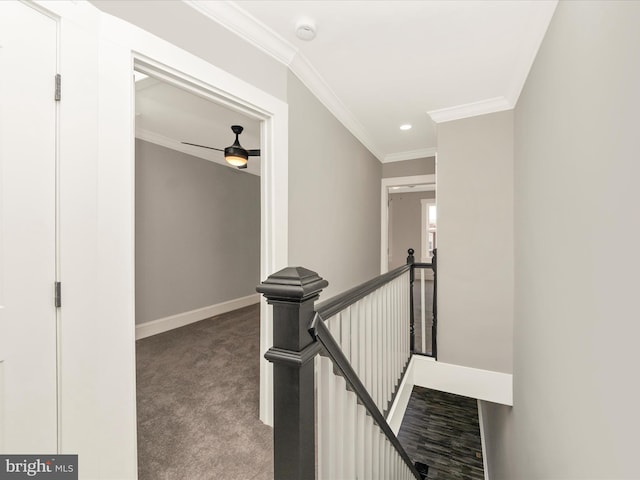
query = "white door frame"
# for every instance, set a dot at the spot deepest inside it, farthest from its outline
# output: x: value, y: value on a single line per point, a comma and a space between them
x: 427, y: 180
x: 96, y: 150
x: 425, y: 203
x: 273, y: 185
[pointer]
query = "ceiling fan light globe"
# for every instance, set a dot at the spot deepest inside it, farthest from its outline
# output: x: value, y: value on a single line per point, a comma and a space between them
x: 236, y: 161
x: 236, y: 156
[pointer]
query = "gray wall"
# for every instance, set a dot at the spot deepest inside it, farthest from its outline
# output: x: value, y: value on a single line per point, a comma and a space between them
x: 197, y: 232
x: 576, y: 388
x: 334, y: 196
x: 405, y: 225
x: 475, y: 242
x: 334, y: 180
x: 407, y: 168
x: 205, y: 39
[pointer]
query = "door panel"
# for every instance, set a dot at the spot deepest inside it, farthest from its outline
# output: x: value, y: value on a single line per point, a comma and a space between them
x: 28, y: 397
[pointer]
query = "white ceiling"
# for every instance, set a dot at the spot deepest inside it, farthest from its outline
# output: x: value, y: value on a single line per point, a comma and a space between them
x: 374, y: 64
x: 168, y: 115
x: 380, y: 64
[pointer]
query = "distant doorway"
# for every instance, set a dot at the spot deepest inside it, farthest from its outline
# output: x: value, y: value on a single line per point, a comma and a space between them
x: 401, y: 221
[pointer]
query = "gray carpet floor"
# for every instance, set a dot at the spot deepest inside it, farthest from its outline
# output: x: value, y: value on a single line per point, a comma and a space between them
x: 198, y: 394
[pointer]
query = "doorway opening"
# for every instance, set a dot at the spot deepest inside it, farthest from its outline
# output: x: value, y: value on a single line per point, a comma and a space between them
x: 197, y: 256
x: 406, y: 216
x: 408, y: 212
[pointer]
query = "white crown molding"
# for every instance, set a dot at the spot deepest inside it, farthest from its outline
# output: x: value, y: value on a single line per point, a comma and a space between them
x: 410, y: 155
x: 210, y: 155
x: 245, y: 25
x: 309, y: 76
x: 483, y: 107
x: 242, y: 23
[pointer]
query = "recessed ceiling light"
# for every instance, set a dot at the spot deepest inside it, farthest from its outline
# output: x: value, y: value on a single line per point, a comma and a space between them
x: 406, y: 126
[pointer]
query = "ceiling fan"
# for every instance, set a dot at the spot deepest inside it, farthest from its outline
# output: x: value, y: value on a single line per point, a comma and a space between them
x: 234, y: 154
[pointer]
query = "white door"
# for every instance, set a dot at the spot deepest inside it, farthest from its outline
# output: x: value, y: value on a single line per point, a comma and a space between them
x: 28, y: 398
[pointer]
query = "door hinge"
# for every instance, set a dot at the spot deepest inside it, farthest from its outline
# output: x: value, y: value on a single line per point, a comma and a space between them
x: 58, y: 94
x: 58, y: 294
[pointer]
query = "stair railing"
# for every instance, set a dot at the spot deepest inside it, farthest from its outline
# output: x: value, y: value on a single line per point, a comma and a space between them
x: 422, y: 348
x: 328, y: 408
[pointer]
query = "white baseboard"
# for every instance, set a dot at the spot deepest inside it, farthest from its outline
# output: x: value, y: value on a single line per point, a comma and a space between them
x: 425, y: 372
x: 487, y: 385
x: 400, y: 403
x: 165, y: 324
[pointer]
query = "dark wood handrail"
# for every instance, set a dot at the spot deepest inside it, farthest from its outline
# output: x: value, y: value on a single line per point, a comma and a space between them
x: 423, y: 265
x: 336, y: 304
x: 319, y: 331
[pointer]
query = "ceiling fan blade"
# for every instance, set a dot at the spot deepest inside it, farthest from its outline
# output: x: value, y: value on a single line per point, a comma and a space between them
x: 253, y: 153
x: 204, y: 146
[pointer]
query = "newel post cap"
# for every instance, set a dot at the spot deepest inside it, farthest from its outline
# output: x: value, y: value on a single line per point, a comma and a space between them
x: 292, y: 284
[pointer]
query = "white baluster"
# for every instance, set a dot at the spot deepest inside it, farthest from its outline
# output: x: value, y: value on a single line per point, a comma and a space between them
x: 356, y: 339
x: 323, y: 435
x: 368, y: 376
x: 377, y: 349
x: 362, y: 312
x: 350, y: 426
x: 368, y: 470
x: 385, y: 346
x: 381, y: 377
x: 385, y: 458
x: 398, y: 326
x: 360, y: 442
x: 339, y: 391
x: 375, y: 457
x: 345, y: 333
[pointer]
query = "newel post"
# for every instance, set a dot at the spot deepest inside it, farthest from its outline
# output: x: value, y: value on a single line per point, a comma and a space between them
x: 412, y: 328
x: 292, y: 293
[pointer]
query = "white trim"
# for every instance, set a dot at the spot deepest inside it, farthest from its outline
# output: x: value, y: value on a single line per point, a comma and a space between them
x: 482, y: 440
x: 179, y: 67
x: 483, y: 385
x: 310, y: 77
x: 490, y: 105
x: 400, y: 403
x: 413, y: 189
x: 410, y: 155
x: 496, y: 387
x: 154, y: 327
x: 168, y: 142
x: 242, y: 23
x: 384, y: 210
x: 424, y: 208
